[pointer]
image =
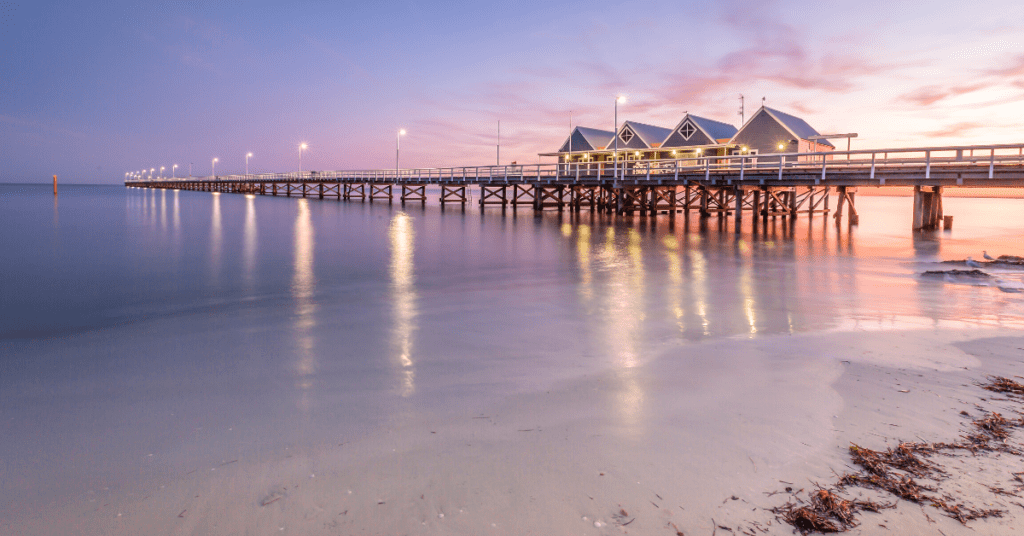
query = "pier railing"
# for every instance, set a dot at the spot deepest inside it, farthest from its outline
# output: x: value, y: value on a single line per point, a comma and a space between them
x: 869, y: 162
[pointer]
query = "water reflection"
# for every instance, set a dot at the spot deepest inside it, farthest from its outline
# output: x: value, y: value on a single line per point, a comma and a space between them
x: 177, y: 212
x: 216, y: 236
x: 584, y: 262
x: 248, y: 242
x: 622, y: 319
x: 674, y: 291
x: 303, y: 289
x: 402, y: 239
x: 699, y: 281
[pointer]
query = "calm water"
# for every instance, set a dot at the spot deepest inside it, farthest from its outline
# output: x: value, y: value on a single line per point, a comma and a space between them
x: 137, y: 322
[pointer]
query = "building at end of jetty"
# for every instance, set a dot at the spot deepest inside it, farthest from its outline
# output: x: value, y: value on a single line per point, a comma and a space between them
x: 767, y: 132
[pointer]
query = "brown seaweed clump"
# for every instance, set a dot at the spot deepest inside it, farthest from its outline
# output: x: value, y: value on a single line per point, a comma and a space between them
x: 999, y: 384
x: 827, y: 512
x: 904, y: 457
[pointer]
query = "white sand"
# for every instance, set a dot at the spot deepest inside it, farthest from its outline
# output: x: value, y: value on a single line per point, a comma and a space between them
x: 669, y: 440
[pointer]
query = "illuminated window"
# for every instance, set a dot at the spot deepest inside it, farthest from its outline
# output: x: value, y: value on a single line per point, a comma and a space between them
x: 626, y: 135
x: 687, y: 130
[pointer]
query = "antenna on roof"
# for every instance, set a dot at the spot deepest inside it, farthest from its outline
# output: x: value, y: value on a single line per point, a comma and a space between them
x: 741, y: 108
x: 570, y: 134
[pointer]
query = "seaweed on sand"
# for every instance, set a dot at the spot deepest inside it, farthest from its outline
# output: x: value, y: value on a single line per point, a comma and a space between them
x: 898, y: 471
x: 999, y: 384
x: 827, y: 512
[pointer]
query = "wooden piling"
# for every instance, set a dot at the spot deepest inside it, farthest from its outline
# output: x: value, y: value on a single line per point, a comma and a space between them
x: 54, y: 185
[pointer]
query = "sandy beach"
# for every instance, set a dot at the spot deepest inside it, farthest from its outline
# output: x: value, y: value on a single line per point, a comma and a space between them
x: 695, y: 437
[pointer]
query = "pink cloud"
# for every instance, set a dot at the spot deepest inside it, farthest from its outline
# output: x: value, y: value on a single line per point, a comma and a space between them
x: 928, y: 95
x: 1014, y: 69
x: 956, y: 129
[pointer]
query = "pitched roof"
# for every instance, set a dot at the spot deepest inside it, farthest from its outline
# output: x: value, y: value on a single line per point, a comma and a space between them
x: 716, y: 130
x: 587, y: 139
x: 651, y: 135
x: 796, y: 125
x: 596, y: 137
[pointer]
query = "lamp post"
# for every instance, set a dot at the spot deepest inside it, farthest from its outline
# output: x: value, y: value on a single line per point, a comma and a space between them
x: 162, y: 168
x: 247, y: 157
x: 301, y: 147
x: 618, y: 99
x: 174, y: 167
x: 398, y: 145
x: 213, y: 168
x: 151, y: 170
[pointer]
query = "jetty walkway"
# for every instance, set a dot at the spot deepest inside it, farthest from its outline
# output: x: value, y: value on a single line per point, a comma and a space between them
x: 765, y: 185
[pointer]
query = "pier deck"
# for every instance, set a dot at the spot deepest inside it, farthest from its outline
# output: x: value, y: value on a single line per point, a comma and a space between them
x: 767, y: 185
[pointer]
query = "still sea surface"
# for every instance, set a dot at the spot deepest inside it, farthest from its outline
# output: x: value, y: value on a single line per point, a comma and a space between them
x: 140, y: 325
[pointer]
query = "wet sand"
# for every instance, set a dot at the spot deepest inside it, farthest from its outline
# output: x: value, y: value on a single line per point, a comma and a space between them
x: 670, y: 441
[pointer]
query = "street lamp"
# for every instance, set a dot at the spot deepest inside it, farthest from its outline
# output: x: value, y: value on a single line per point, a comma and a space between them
x: 213, y: 167
x: 151, y: 170
x: 175, y: 166
x: 162, y: 168
x: 398, y: 137
x: 618, y: 99
x: 247, y: 157
x: 301, y: 147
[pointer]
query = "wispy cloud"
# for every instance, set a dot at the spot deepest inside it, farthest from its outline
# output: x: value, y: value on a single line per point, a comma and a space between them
x: 956, y: 129
x: 1013, y: 69
x: 1010, y: 74
x: 928, y: 95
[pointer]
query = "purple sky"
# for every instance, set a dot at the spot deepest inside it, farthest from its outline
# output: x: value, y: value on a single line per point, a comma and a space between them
x: 91, y: 90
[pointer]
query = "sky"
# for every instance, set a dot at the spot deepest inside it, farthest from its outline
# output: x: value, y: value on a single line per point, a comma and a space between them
x: 92, y: 90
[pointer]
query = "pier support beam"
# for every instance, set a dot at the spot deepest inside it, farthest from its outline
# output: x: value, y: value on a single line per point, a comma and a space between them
x: 493, y: 195
x: 927, y: 207
x: 548, y: 196
x: 416, y: 192
x: 354, y: 190
x: 453, y: 194
x: 662, y: 198
x: 578, y: 195
x: 847, y: 195
x: 522, y: 194
x: 381, y: 191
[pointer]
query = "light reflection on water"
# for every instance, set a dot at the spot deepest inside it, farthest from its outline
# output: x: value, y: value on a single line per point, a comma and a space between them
x: 216, y: 237
x: 303, y: 289
x: 701, y: 276
x: 402, y: 241
x: 249, y: 244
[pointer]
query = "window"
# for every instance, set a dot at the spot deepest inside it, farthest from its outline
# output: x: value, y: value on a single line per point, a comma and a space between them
x: 687, y: 130
x: 626, y: 135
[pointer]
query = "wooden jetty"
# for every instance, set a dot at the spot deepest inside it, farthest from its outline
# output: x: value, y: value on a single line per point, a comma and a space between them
x: 775, y: 185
